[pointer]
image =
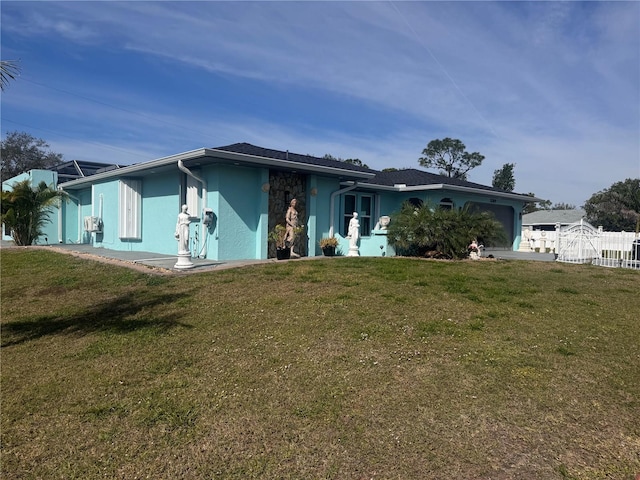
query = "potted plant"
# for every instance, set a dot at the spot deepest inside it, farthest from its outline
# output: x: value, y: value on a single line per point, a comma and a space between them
x: 278, y: 236
x: 328, y: 246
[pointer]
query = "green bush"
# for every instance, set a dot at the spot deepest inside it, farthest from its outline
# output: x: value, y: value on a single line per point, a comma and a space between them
x: 26, y: 210
x: 418, y: 231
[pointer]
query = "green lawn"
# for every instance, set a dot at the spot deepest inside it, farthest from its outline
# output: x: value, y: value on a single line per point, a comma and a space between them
x: 342, y: 368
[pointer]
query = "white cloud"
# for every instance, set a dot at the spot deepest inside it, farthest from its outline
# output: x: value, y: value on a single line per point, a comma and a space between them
x: 553, y: 87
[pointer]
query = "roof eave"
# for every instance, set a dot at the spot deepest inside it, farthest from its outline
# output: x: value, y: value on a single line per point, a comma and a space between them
x: 460, y: 188
x: 134, y: 169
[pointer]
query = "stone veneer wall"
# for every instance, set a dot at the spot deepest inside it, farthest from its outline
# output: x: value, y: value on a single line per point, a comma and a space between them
x: 283, y: 187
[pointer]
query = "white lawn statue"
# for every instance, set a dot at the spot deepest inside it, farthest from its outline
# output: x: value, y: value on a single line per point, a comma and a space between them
x: 354, y: 236
x: 182, y: 235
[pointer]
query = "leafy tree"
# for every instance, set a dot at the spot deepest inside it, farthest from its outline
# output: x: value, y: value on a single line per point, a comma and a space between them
x: 563, y: 206
x: 21, y: 152
x: 450, y: 156
x: 356, y: 161
x: 416, y: 231
x: 390, y: 169
x: 9, y: 70
x: 616, y: 208
x: 26, y: 210
x: 352, y: 161
x: 503, y: 178
x: 535, y: 206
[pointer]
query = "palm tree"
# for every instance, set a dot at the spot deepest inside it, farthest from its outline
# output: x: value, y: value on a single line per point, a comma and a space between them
x: 9, y: 70
x: 26, y: 210
x: 442, y: 232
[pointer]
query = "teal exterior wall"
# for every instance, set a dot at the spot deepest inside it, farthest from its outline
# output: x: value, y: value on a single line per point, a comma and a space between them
x: 160, y: 205
x: 74, y: 209
x: 160, y: 208
x: 319, y: 207
x: 107, y: 193
x: 240, y: 205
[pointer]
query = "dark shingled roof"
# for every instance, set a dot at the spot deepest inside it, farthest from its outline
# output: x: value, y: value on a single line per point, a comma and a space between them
x: 412, y: 177
x: 248, y: 149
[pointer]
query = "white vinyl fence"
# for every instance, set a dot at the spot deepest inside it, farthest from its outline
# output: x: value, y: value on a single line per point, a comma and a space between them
x: 582, y: 243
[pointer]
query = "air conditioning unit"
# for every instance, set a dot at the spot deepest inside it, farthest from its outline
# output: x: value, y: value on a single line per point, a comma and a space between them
x: 93, y: 224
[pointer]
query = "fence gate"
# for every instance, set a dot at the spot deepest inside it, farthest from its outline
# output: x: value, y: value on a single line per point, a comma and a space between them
x: 582, y: 243
x: 578, y: 243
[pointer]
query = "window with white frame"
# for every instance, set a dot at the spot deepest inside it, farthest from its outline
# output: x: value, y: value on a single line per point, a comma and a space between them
x: 130, y: 209
x: 361, y: 203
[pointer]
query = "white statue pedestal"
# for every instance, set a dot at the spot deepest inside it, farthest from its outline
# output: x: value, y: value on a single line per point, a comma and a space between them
x: 184, y: 261
x: 353, y: 251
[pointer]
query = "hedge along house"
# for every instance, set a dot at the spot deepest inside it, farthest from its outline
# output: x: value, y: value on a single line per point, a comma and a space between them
x: 236, y: 194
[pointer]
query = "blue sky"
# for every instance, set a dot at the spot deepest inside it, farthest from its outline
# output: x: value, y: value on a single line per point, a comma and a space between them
x: 553, y: 87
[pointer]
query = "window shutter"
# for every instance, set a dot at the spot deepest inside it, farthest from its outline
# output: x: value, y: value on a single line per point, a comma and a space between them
x: 130, y: 218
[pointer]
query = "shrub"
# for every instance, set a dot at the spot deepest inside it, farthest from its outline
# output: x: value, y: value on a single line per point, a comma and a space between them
x: 416, y: 231
x: 26, y: 210
x: 328, y: 242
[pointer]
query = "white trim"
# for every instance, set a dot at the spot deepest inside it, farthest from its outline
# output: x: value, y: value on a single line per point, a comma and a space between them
x: 443, y: 186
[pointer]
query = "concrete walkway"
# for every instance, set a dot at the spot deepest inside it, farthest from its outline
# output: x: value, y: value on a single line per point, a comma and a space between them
x: 144, y: 260
x: 511, y: 255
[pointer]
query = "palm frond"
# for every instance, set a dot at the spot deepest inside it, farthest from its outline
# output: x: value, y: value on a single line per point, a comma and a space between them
x: 9, y: 70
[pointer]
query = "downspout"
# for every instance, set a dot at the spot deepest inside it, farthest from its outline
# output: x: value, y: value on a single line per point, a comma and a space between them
x: 181, y: 167
x: 60, y: 221
x: 332, y: 203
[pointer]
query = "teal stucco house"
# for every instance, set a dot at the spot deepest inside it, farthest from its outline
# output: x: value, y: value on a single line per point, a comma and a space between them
x: 237, y: 193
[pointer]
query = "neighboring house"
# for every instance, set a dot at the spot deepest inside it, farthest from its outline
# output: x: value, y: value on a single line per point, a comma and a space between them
x: 237, y: 193
x: 546, y: 220
x: 539, y: 228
